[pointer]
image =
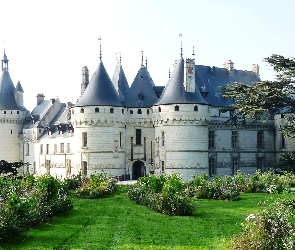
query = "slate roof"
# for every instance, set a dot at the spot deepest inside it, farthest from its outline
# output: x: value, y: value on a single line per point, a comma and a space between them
x: 211, y: 79
x: 120, y: 82
x: 100, y: 91
x: 141, y: 94
x: 174, y: 91
x: 19, y: 87
x: 7, y: 99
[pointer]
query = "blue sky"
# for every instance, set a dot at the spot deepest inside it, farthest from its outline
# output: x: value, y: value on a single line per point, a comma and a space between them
x: 48, y: 42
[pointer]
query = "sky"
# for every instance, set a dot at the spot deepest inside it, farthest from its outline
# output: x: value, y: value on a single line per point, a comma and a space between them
x: 48, y: 42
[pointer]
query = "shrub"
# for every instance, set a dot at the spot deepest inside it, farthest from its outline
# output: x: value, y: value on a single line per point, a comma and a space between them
x: 218, y: 189
x: 97, y: 186
x: 271, y: 228
x: 163, y: 194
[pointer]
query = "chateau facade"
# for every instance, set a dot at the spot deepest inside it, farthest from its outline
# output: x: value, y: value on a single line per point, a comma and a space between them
x: 132, y: 131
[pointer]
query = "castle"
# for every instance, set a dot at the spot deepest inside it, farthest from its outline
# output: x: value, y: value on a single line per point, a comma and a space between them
x: 184, y: 127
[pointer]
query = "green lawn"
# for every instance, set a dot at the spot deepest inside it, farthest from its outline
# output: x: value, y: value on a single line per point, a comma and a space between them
x: 117, y: 223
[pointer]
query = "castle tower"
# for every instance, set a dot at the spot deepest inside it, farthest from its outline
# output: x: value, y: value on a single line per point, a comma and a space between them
x: 99, y: 123
x: 181, y: 131
x: 139, y: 126
x: 12, y: 115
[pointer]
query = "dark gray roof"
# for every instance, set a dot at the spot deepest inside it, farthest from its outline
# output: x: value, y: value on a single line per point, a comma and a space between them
x: 100, y: 91
x: 211, y: 79
x: 120, y: 82
x: 141, y: 94
x: 174, y: 91
x: 7, y: 99
x: 19, y: 87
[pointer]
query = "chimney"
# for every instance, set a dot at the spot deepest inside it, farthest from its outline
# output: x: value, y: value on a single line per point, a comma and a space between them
x: 40, y: 98
x: 189, y: 76
x: 255, y: 69
x: 85, y: 79
x: 229, y: 65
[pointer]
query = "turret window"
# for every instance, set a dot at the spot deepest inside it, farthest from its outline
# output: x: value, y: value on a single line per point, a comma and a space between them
x: 122, y: 111
x: 81, y: 110
x: 4, y: 112
x: 148, y: 111
x: 17, y: 112
x: 111, y: 110
x: 196, y: 108
x: 96, y: 110
x: 162, y: 138
x: 159, y: 109
x: 139, y: 111
x: 131, y: 112
x: 211, y: 139
x: 176, y: 108
x: 84, y: 139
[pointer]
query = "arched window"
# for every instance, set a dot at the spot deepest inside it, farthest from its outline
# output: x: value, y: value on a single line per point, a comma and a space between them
x: 196, y: 108
x: 96, y: 110
x: 81, y: 110
x: 176, y: 108
x: 159, y: 109
x: 111, y: 110
x: 139, y: 111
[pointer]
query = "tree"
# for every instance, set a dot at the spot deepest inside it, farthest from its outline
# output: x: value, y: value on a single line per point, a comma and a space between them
x: 266, y: 98
x: 9, y: 168
x: 286, y: 163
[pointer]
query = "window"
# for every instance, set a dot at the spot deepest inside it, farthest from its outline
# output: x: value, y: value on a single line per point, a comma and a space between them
x: 28, y: 149
x: 163, y: 166
x: 120, y: 140
x: 84, y: 139
x: 4, y: 112
x: 68, y: 148
x: 138, y: 137
x: 131, y: 112
x: 47, y: 148
x: 211, y: 167
x: 122, y: 111
x: 139, y: 111
x: 176, y: 108
x: 96, y: 110
x: 260, y: 161
x: 17, y: 112
x: 234, y: 166
x: 162, y: 138
x: 283, y: 144
x: 111, y: 110
x: 159, y: 109
x: 81, y: 110
x: 84, y: 168
x: 41, y: 149
x: 11, y: 131
x: 62, y: 148
x: 73, y: 111
x: 196, y: 108
x: 234, y: 139
x: 55, y: 148
x: 211, y: 139
x: 260, y: 139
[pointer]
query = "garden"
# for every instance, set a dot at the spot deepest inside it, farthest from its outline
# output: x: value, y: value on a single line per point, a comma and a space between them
x: 157, y: 212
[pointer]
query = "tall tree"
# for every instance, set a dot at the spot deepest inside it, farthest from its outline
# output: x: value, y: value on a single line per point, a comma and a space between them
x: 266, y: 98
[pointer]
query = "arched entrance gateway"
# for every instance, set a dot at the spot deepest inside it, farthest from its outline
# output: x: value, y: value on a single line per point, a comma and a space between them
x: 138, y: 170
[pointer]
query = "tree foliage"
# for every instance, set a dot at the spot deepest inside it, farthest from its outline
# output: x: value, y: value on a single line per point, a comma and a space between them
x: 265, y: 98
x: 9, y: 167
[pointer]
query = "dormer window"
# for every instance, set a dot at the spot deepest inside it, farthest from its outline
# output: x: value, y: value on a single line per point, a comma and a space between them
x: 176, y: 108
x: 196, y: 108
x: 111, y: 110
x: 81, y: 110
x: 96, y: 110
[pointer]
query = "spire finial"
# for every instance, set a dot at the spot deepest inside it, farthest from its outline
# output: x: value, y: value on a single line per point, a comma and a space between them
x: 180, y: 35
x: 100, y: 53
x: 169, y: 73
x: 141, y: 57
x: 146, y: 61
x: 193, y: 53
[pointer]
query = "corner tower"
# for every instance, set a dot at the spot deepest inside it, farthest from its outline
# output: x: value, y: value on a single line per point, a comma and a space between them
x: 181, y: 119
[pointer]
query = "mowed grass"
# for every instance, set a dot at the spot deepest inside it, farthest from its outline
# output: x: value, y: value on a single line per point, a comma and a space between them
x: 117, y: 223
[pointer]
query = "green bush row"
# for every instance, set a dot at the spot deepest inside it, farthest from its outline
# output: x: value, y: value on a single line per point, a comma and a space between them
x: 163, y: 194
x: 27, y: 201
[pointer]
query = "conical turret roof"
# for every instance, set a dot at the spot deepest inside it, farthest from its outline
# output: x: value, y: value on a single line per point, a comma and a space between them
x: 141, y: 94
x: 100, y: 91
x: 19, y: 87
x: 174, y: 91
x: 120, y: 82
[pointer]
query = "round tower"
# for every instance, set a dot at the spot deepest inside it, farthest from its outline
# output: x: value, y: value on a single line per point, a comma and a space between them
x: 181, y: 119
x: 12, y: 115
x: 98, y: 119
